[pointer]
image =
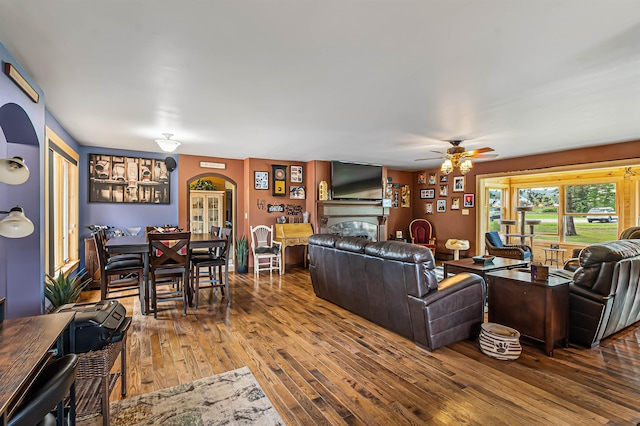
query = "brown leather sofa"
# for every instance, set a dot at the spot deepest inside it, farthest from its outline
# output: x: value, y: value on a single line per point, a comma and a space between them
x: 604, y: 297
x: 394, y: 284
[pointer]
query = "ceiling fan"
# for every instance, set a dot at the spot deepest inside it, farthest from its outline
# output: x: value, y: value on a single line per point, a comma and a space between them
x: 458, y: 156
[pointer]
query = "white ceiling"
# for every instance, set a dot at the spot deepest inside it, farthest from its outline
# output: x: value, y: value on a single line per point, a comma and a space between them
x: 372, y: 81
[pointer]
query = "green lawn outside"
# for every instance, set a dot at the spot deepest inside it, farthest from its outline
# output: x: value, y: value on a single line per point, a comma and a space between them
x: 588, y: 233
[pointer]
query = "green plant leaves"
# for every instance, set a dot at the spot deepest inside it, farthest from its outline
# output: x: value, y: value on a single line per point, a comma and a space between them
x: 62, y: 289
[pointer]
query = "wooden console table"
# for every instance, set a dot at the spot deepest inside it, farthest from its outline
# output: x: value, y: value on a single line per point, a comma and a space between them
x: 293, y: 234
x: 24, y: 351
x: 537, y: 309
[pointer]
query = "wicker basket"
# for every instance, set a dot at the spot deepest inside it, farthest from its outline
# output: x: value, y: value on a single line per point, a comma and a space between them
x: 500, y: 342
x: 94, y: 380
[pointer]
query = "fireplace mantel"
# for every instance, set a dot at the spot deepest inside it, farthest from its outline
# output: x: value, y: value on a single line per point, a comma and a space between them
x: 333, y: 212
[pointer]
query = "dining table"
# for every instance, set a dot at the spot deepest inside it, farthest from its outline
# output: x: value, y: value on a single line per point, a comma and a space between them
x: 138, y: 244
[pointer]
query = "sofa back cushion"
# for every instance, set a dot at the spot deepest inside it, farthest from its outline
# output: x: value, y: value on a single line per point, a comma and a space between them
x: 598, y: 261
x: 418, y: 265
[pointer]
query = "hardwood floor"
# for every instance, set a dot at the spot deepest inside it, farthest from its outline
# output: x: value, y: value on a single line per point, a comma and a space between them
x: 320, y: 364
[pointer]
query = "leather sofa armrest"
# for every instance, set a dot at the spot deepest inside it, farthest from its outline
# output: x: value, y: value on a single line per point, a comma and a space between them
x: 587, y: 294
x: 451, y: 313
x: 450, y: 285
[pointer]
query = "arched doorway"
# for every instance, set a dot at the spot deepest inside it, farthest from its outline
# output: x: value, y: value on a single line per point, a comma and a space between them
x: 211, y: 200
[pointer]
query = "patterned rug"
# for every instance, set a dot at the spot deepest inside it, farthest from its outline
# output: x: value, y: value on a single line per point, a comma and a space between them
x: 231, y: 398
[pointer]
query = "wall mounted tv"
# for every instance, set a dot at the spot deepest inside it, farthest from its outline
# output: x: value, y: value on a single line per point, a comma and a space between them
x: 356, y: 181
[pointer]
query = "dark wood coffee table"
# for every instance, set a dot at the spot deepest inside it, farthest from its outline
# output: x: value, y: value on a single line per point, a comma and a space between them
x: 468, y: 265
x: 537, y: 309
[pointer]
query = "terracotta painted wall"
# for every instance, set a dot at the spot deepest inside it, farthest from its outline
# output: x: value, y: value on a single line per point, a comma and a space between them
x: 452, y: 224
x: 400, y: 217
x: 252, y: 203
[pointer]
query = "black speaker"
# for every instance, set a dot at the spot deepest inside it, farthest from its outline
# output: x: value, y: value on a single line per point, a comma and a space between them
x: 170, y: 163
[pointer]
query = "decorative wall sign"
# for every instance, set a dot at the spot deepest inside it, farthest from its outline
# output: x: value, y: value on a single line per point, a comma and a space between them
x: 21, y: 82
x: 458, y: 184
x: 469, y: 200
x: 275, y: 208
x: 296, y: 192
x: 116, y: 179
x: 261, y: 180
x: 442, y: 206
x: 427, y: 193
x: 296, y: 174
x: 279, y: 180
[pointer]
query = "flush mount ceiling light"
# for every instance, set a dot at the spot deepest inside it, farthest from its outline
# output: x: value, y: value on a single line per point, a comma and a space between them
x: 168, y: 144
x: 13, y: 171
x: 16, y: 224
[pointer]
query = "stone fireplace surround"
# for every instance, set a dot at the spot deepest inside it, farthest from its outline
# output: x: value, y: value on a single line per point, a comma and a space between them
x: 353, y: 218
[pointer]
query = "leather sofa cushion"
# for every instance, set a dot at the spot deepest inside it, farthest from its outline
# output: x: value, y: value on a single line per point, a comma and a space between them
x: 324, y: 240
x: 611, y: 251
x: 354, y: 244
x: 403, y: 252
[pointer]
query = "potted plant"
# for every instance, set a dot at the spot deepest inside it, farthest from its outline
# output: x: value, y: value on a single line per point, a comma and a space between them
x: 64, y: 289
x: 241, y: 254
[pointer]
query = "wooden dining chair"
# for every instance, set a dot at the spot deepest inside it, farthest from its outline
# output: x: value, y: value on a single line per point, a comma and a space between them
x: 169, y: 260
x: 214, y: 261
x: 120, y: 273
x: 266, y: 251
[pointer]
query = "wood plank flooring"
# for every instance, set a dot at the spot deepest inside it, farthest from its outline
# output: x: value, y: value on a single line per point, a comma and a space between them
x: 320, y: 364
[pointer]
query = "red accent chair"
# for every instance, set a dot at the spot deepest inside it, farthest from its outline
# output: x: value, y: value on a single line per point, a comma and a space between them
x: 421, y: 233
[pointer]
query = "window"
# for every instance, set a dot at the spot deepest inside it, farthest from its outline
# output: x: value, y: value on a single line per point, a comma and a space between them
x: 62, y: 207
x: 544, y: 202
x: 590, y: 213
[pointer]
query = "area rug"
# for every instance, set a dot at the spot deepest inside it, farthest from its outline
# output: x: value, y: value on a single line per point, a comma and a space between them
x: 231, y: 398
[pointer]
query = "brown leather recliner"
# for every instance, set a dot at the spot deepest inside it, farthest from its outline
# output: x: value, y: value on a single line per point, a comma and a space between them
x: 604, y: 297
x: 394, y: 284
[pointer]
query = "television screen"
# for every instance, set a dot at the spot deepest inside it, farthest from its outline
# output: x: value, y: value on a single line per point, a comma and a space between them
x: 355, y: 181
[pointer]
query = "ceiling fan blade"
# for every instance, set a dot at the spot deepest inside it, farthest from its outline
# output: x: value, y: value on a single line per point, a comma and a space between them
x: 429, y: 158
x: 481, y: 150
x: 484, y: 156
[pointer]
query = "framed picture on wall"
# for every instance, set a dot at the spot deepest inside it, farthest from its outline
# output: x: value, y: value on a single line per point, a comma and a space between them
x: 279, y: 180
x: 455, y: 203
x: 468, y: 200
x: 433, y: 178
x: 296, y: 174
x: 119, y: 179
x: 296, y: 192
x: 261, y: 180
x: 442, y: 206
x: 444, y: 190
x: 458, y: 184
x: 428, y: 208
x: 427, y: 193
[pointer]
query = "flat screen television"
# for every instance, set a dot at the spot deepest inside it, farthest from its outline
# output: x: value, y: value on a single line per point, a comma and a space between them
x: 356, y: 181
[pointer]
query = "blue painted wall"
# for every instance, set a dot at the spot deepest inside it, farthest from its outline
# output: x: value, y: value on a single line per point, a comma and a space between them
x: 21, y: 260
x: 122, y: 215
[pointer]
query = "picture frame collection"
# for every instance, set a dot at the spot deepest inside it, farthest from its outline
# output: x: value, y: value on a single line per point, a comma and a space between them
x: 279, y: 181
x: 440, y: 184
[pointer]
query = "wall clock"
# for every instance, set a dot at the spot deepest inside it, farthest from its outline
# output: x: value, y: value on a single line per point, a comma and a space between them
x: 279, y: 180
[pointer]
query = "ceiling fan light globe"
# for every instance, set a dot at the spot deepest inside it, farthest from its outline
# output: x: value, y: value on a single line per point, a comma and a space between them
x: 447, y: 167
x: 466, y: 166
